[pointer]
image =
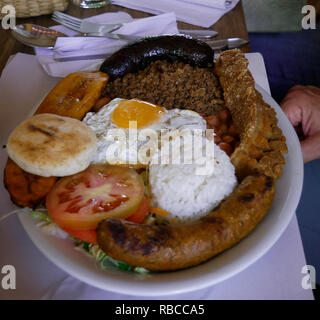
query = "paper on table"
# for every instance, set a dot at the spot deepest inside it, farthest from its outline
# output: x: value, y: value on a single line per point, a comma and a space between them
x: 193, y: 13
x: 85, y: 46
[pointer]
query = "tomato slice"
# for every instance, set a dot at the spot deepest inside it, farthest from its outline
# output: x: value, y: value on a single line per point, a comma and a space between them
x: 89, y: 236
x: 81, y: 201
x: 139, y: 215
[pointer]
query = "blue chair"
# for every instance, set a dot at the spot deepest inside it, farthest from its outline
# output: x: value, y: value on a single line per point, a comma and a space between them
x: 294, y: 58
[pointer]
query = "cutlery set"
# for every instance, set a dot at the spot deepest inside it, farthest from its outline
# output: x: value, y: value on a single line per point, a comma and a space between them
x: 38, y: 36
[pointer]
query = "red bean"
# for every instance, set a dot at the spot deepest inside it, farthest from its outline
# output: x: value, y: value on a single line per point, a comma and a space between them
x: 224, y: 115
x: 226, y: 148
x: 222, y: 130
x: 213, y: 121
x: 227, y: 138
x: 217, y: 139
x: 232, y: 130
x: 101, y: 103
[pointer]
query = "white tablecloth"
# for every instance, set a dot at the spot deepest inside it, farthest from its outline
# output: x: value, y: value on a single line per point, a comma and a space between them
x: 277, y: 275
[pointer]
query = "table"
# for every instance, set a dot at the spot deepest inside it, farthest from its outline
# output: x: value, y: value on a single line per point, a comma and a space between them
x: 230, y: 25
x: 277, y: 275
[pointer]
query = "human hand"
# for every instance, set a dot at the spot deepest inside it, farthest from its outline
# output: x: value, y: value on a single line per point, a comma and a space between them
x: 302, y: 107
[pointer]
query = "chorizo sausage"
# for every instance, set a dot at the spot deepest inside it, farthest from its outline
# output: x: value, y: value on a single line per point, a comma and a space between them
x: 179, y: 246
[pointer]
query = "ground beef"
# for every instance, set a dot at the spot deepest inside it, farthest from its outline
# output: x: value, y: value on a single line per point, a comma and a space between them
x: 171, y: 85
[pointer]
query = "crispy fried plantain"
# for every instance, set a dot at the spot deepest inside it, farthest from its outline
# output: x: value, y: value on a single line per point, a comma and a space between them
x: 74, y: 95
x: 26, y: 189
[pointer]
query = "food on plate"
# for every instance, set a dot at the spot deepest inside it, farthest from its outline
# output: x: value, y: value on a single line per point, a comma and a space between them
x: 119, y: 112
x: 81, y: 201
x: 88, y: 236
x: 140, y: 214
x: 171, y: 215
x: 173, y: 85
x: 73, y: 97
x: 49, y: 145
x: 258, y: 161
x: 178, y: 246
x: 183, y: 191
x: 140, y: 54
x: 26, y: 189
x: 101, y: 103
x: 262, y: 142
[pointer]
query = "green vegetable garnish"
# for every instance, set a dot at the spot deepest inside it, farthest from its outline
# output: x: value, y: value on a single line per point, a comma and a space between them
x: 40, y: 215
x: 94, y: 250
x: 105, y: 261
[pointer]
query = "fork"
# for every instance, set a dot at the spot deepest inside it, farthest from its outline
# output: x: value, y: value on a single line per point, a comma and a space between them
x: 83, y: 26
x: 87, y: 27
x: 100, y: 30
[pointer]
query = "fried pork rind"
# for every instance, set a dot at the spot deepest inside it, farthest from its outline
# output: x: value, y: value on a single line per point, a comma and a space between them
x: 262, y: 142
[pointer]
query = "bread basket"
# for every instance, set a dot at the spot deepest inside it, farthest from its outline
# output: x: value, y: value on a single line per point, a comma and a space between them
x: 32, y: 8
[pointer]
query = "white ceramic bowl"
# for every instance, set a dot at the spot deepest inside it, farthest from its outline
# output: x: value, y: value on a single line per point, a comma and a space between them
x: 288, y: 190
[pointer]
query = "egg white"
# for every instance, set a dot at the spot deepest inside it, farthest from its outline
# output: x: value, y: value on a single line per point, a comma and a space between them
x: 101, y: 123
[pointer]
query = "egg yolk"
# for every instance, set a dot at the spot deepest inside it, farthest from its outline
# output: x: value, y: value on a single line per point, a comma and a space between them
x: 144, y: 113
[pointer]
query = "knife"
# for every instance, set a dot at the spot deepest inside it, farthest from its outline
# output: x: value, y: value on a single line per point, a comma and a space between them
x: 230, y: 43
x: 199, y: 34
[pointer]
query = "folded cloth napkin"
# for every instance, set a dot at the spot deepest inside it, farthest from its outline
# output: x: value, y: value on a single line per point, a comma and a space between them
x: 74, y: 46
x: 203, y: 13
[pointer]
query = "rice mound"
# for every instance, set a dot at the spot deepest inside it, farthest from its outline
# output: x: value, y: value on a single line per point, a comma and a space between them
x: 177, y: 188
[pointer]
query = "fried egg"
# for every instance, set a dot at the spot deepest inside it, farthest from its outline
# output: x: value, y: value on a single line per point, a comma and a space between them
x: 137, y: 115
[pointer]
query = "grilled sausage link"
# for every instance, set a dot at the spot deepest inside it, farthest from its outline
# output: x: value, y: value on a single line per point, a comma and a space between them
x: 138, y: 55
x: 179, y: 246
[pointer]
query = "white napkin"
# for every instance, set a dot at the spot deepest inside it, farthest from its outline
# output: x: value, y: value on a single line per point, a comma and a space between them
x: 203, y: 13
x: 83, y: 46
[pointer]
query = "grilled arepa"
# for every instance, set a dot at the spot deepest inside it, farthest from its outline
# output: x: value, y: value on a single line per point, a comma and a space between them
x: 49, y: 145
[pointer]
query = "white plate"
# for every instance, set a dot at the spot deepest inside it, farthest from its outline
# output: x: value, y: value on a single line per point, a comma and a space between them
x: 288, y: 189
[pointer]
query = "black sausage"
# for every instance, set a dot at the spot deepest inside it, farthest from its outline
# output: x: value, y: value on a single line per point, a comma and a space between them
x: 138, y: 55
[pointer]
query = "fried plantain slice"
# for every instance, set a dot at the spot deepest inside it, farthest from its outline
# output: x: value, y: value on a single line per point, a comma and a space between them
x: 74, y: 95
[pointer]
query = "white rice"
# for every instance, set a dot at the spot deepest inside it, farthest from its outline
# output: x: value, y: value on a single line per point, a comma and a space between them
x: 177, y: 188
